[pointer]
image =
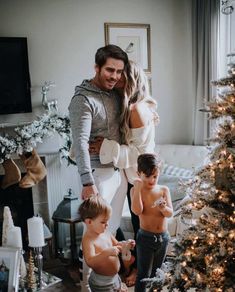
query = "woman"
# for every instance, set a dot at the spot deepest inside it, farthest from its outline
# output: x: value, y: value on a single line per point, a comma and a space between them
x: 138, y: 121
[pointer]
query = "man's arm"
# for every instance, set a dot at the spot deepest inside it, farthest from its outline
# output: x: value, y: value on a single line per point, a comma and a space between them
x: 80, y: 113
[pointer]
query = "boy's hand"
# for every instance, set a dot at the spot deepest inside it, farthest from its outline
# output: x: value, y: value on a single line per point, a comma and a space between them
x: 138, y: 184
x: 131, y: 243
x: 161, y: 203
x: 114, y: 250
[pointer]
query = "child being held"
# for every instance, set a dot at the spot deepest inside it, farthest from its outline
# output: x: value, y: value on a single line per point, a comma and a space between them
x: 100, y: 248
x: 152, y: 203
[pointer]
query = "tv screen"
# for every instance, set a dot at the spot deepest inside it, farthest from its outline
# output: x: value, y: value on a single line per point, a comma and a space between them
x: 15, y: 94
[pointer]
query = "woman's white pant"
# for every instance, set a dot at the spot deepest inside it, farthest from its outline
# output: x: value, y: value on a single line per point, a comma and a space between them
x: 112, y: 186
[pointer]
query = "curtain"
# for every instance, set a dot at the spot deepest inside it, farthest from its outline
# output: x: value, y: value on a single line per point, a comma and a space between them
x: 226, y: 41
x: 205, y: 16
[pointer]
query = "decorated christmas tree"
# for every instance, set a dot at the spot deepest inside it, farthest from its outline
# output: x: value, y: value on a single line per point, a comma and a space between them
x: 205, y: 252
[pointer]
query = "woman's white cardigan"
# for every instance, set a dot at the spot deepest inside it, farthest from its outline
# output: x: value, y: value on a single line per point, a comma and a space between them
x: 125, y: 156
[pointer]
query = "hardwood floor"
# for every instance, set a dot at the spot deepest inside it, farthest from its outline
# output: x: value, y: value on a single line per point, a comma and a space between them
x: 66, y: 272
x: 69, y: 275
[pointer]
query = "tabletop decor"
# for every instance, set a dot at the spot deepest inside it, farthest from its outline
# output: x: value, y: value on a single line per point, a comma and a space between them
x: 37, y: 241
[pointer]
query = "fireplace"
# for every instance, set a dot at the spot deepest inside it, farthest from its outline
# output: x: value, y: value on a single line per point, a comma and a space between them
x: 20, y: 202
x: 46, y: 195
x: 24, y: 203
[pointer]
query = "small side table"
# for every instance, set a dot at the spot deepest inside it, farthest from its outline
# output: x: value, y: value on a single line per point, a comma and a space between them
x: 73, y: 246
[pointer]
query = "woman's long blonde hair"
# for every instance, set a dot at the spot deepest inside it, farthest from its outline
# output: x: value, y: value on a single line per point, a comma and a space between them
x: 136, y: 89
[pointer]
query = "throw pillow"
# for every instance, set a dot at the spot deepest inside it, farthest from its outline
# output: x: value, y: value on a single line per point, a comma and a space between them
x: 182, y: 202
x: 176, y: 171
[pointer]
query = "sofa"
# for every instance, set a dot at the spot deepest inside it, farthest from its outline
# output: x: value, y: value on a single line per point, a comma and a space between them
x: 179, y: 163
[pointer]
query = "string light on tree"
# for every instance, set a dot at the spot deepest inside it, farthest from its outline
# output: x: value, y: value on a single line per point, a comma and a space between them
x: 205, y: 252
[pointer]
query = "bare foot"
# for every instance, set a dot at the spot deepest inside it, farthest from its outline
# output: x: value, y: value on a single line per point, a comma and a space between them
x: 127, y: 265
x: 130, y: 280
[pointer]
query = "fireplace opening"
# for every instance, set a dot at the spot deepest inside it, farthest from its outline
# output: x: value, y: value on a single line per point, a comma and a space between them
x: 20, y: 202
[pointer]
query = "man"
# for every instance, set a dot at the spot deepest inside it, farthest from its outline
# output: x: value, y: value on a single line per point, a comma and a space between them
x: 95, y: 111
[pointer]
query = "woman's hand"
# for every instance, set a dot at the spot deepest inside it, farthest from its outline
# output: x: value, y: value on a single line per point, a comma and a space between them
x: 95, y: 145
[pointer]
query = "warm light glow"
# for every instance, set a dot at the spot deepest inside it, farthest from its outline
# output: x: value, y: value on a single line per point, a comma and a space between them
x: 232, y: 234
x: 187, y: 253
x: 218, y: 271
x: 185, y: 277
x: 208, y: 259
x: 198, y: 278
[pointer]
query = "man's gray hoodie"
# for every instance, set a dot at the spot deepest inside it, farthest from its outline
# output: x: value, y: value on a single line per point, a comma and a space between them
x: 93, y: 113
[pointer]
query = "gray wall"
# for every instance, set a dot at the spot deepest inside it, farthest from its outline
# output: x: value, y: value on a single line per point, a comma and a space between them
x: 63, y: 36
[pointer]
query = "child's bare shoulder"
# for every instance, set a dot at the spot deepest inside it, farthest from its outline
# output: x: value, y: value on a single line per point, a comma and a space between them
x: 86, y: 238
x: 163, y: 189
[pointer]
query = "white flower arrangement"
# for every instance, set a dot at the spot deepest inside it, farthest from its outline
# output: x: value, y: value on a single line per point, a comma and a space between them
x: 27, y: 137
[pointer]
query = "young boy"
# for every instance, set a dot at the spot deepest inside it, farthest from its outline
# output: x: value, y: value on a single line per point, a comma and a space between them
x: 100, y: 248
x: 152, y: 203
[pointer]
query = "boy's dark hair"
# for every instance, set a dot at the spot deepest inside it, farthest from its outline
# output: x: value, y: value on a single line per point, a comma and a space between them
x: 148, y: 163
x: 94, y: 207
x: 110, y: 51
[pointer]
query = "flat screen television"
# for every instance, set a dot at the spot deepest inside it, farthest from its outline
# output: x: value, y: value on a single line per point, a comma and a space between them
x: 15, y: 86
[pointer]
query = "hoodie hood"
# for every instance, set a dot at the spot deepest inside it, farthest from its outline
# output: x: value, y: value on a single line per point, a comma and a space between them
x: 87, y: 86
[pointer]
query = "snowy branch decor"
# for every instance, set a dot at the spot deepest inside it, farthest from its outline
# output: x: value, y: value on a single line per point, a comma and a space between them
x: 27, y: 137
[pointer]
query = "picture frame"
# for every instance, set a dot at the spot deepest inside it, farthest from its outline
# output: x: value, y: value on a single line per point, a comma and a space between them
x: 133, y: 38
x: 9, y: 269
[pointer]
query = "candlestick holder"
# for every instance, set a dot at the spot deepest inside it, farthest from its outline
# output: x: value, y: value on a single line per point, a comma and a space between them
x: 39, y: 264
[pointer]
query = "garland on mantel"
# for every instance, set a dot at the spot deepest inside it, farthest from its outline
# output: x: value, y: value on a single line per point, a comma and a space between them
x: 27, y: 137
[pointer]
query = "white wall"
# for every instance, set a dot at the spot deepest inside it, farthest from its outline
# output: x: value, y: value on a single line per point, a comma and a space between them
x: 63, y: 36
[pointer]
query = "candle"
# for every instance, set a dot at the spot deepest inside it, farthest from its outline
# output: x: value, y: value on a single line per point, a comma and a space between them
x: 14, y: 237
x: 35, y: 232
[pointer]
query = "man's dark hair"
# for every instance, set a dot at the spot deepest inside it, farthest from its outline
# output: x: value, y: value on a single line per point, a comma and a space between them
x: 148, y: 163
x: 110, y: 51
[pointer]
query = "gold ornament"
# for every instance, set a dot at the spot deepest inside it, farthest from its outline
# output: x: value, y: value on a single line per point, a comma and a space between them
x: 31, y: 275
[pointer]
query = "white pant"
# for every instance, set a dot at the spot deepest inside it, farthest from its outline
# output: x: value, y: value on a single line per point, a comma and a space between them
x: 112, y: 186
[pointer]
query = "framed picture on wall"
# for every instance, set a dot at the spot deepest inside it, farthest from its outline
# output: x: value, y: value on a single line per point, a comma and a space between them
x: 9, y: 269
x: 133, y: 38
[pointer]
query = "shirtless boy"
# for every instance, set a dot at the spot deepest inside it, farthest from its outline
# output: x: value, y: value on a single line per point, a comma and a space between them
x: 100, y: 248
x: 152, y: 203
